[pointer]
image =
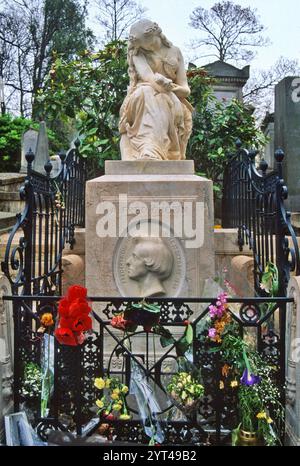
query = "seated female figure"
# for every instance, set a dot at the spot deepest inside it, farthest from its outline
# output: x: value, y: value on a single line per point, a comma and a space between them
x: 155, y: 118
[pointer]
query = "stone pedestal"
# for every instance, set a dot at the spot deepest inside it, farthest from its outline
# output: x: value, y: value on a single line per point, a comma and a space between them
x: 292, y: 420
x: 132, y: 205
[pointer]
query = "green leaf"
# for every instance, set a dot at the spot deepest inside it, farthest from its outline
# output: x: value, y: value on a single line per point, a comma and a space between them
x: 166, y: 341
x: 235, y: 436
x: 189, y: 334
x: 214, y: 350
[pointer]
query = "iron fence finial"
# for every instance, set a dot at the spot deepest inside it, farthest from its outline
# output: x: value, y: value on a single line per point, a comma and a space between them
x: 48, y: 167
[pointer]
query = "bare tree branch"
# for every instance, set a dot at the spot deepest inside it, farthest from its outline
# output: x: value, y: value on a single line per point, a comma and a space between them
x: 116, y: 16
x: 232, y: 30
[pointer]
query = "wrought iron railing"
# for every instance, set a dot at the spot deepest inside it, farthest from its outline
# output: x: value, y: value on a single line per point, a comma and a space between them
x: 260, y: 322
x: 253, y: 203
x: 53, y: 207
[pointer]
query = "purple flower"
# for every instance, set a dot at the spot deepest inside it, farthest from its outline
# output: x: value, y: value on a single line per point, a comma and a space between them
x: 221, y: 311
x: 212, y: 333
x: 249, y: 379
x: 213, y: 311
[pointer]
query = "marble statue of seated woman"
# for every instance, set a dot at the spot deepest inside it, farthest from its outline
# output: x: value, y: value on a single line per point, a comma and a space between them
x: 155, y: 117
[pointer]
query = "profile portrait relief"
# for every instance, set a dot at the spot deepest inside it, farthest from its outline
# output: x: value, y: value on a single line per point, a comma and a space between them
x: 150, y: 264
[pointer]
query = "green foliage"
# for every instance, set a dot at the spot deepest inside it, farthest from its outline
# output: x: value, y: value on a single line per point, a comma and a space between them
x: 216, y: 127
x: 67, y: 20
x: 11, y: 130
x: 89, y: 92
x: 32, y: 383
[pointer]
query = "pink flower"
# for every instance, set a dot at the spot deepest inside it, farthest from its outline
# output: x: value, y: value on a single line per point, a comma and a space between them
x: 213, y: 311
x: 80, y: 337
x: 212, y: 333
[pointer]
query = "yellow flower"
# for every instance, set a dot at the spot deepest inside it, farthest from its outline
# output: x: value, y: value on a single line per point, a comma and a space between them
x: 107, y: 383
x: 116, y: 391
x: 117, y: 407
x: 47, y: 319
x: 99, y: 383
x: 183, y: 395
x: 125, y: 417
x: 261, y: 415
x: 124, y: 389
x: 269, y: 420
x: 221, y: 386
x: 99, y: 403
x: 114, y: 396
x: 234, y: 383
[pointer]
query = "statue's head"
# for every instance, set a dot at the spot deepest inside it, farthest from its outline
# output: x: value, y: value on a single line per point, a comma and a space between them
x: 144, y: 33
x: 150, y: 255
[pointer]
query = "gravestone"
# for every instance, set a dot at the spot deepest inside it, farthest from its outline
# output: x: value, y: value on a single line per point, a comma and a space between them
x: 149, y: 219
x: 29, y: 141
x: 269, y: 131
x: 229, y: 79
x: 287, y: 135
x: 42, y: 149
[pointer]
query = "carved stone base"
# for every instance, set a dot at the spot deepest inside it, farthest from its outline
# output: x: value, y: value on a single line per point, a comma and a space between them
x: 149, y: 199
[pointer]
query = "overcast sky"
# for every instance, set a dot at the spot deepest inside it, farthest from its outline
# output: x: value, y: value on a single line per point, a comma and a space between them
x: 281, y: 18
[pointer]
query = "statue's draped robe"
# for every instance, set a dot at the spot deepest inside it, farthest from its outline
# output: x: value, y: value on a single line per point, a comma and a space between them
x: 152, y: 124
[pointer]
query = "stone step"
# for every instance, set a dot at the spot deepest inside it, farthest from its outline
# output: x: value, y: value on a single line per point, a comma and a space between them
x: 11, y: 202
x: 7, y: 221
x: 11, y: 182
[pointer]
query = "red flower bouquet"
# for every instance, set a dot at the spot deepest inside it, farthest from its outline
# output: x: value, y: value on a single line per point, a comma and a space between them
x: 74, y: 319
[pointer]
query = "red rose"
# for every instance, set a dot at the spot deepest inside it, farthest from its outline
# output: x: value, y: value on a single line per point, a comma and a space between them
x: 82, y: 323
x: 76, y: 291
x: 108, y: 416
x: 186, y: 322
x: 66, y: 322
x: 63, y: 307
x: 65, y: 336
x: 79, y: 307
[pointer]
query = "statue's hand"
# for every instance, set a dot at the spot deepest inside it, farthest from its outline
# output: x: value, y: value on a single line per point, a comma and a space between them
x: 164, y: 82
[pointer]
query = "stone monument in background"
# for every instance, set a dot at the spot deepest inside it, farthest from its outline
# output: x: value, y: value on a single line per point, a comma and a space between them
x: 149, y: 219
x: 38, y: 142
x: 287, y: 135
x: 42, y: 149
x: 29, y: 141
x: 229, y: 80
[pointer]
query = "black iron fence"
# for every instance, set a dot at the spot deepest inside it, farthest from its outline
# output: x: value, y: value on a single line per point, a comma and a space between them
x: 53, y: 207
x: 253, y: 203
x: 259, y: 321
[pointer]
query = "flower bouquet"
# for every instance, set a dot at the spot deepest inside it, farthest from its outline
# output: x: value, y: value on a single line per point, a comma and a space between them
x: 112, y: 404
x: 74, y: 319
x: 185, y: 392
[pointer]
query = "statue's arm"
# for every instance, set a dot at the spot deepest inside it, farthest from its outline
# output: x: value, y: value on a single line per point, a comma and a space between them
x: 158, y: 82
x: 181, y: 87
